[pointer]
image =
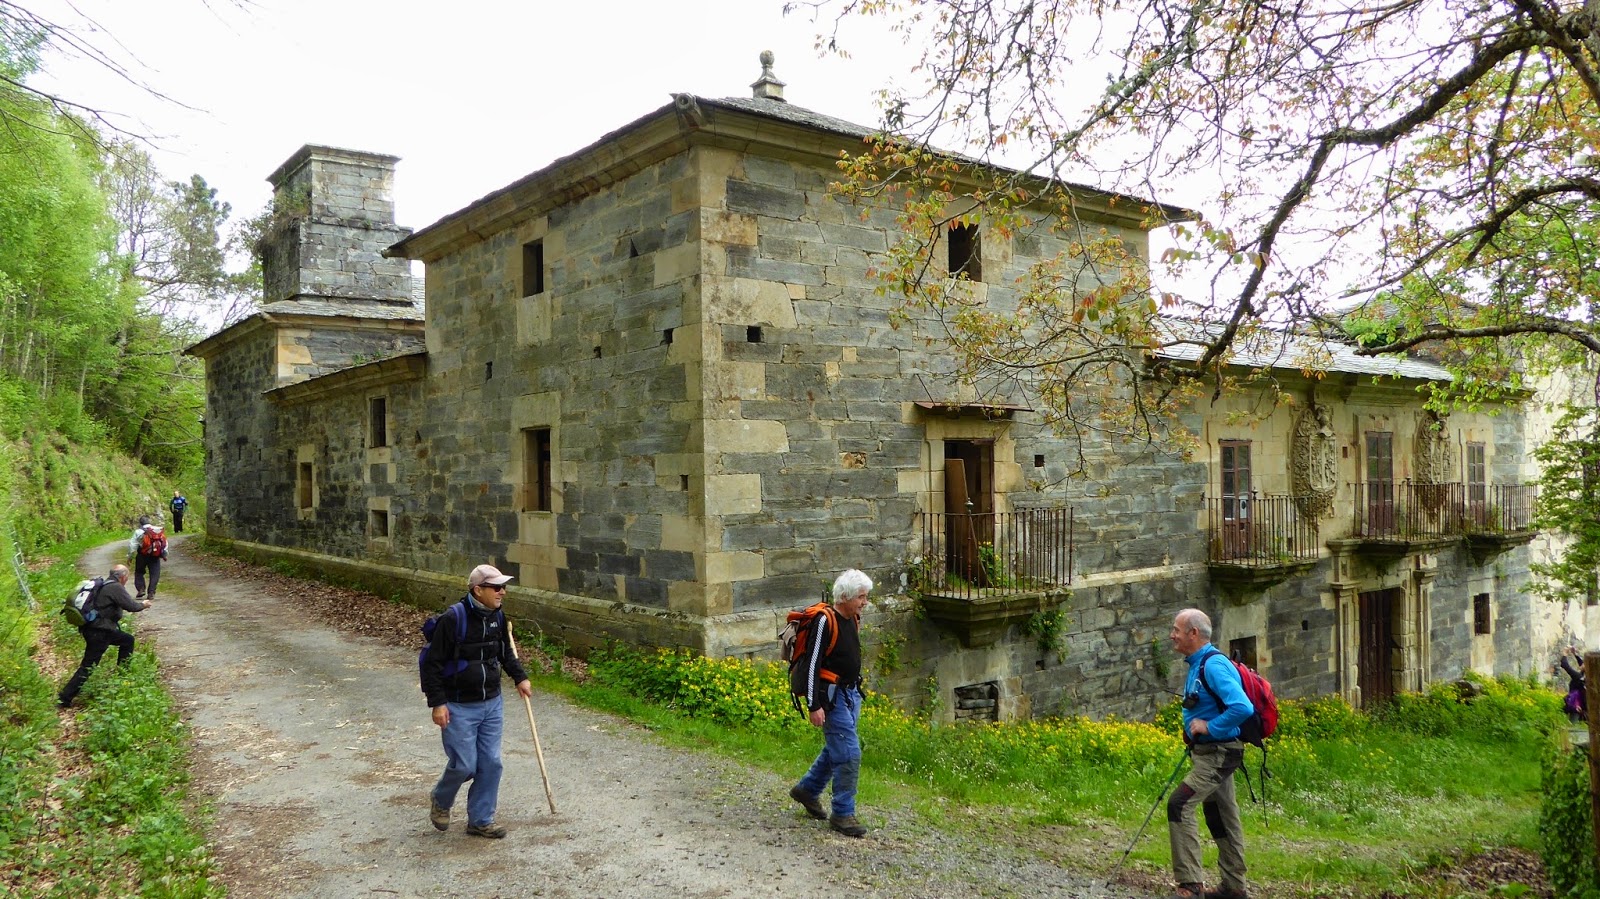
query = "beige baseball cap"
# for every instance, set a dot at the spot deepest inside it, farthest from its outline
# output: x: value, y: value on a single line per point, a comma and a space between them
x: 487, y: 574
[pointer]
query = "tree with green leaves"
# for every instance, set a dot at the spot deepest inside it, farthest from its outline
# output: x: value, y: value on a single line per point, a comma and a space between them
x: 1569, y: 484
x: 1433, y: 164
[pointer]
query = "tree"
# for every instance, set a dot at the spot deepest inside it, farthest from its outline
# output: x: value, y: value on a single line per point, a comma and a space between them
x: 1569, y: 481
x: 1433, y: 161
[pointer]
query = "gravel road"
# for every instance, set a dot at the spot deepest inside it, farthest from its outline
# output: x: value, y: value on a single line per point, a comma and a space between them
x: 314, y: 748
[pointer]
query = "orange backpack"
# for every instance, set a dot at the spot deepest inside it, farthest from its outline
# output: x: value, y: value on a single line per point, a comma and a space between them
x: 794, y: 647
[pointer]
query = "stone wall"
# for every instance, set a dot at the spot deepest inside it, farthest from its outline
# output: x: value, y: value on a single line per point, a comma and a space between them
x: 733, y: 420
x: 334, y: 218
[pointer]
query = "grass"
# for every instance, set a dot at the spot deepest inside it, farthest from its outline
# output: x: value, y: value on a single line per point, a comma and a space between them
x: 103, y: 801
x: 1358, y: 804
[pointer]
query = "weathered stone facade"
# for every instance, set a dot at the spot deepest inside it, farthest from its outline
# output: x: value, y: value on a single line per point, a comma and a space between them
x: 660, y: 388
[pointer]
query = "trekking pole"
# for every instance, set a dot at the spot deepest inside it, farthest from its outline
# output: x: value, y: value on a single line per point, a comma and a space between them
x: 1151, y: 814
x: 538, y: 750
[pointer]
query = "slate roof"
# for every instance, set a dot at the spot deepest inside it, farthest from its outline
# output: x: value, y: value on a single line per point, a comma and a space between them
x: 339, y: 307
x: 1287, y: 350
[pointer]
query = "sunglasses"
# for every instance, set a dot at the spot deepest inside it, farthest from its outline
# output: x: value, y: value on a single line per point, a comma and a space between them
x: 498, y: 588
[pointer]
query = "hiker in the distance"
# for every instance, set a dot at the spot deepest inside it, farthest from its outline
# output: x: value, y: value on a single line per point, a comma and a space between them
x: 461, y: 678
x: 99, y: 635
x: 148, y: 549
x: 1577, y: 701
x: 836, y: 708
x: 1211, y: 728
x: 178, y: 505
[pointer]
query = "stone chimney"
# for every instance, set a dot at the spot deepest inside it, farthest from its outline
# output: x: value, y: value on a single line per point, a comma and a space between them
x: 334, y: 218
x: 767, y: 87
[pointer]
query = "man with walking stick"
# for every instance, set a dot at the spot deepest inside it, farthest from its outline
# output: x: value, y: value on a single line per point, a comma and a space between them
x: 461, y: 668
x: 1212, y: 715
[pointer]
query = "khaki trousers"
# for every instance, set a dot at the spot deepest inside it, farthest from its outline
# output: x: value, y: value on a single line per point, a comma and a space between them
x: 1209, y: 785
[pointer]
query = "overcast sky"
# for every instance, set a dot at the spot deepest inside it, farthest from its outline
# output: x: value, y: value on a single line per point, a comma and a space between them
x: 471, y: 94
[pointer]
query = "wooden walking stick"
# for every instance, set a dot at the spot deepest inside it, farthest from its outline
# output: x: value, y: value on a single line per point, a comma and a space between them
x: 537, y: 749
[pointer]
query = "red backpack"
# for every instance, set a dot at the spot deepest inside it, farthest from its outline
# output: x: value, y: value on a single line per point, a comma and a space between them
x: 794, y: 647
x: 152, y: 542
x: 1264, y: 722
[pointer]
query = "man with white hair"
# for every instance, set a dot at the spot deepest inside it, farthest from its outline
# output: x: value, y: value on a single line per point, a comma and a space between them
x: 1214, y: 708
x: 833, y: 698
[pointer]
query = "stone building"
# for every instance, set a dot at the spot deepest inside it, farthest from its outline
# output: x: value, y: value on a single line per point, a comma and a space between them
x: 654, y: 381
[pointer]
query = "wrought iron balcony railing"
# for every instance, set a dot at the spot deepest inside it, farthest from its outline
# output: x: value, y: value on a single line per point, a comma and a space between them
x: 1260, y: 531
x: 1402, y: 511
x: 977, y: 555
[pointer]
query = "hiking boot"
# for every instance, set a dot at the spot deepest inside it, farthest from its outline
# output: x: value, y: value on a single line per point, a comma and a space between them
x: 439, y: 816
x: 492, y: 831
x: 847, y: 825
x: 1226, y: 892
x: 1189, y: 891
x: 813, y: 806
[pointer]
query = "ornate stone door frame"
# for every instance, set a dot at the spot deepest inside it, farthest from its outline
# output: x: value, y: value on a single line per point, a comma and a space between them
x: 1411, y: 630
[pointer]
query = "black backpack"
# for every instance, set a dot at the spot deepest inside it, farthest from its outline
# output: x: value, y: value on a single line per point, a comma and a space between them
x: 456, y: 612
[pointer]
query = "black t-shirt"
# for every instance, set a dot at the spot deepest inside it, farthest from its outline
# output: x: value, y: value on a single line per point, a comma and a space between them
x: 845, y: 660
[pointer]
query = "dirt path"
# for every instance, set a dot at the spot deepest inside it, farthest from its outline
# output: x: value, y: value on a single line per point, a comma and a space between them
x: 316, y: 751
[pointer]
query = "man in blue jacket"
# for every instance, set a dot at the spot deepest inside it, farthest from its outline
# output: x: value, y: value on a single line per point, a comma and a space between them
x: 1212, y: 715
x: 461, y: 678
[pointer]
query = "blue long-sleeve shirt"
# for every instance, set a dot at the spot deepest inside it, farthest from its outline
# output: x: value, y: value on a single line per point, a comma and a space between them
x: 1223, y: 719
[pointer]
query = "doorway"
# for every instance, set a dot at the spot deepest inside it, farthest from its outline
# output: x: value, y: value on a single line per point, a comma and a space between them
x: 1375, y: 675
x: 969, y: 507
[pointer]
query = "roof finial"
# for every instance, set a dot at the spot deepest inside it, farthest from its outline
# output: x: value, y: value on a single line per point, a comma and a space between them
x: 767, y: 87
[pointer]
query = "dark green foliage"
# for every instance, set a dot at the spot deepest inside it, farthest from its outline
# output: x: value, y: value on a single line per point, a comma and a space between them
x: 1569, y: 504
x: 1565, y: 837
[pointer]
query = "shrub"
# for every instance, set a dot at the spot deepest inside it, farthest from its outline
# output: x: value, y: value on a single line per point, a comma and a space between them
x: 1565, y: 838
x: 1506, y: 709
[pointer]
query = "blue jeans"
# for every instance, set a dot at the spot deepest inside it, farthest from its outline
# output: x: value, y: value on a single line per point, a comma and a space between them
x: 840, y: 759
x: 472, y: 746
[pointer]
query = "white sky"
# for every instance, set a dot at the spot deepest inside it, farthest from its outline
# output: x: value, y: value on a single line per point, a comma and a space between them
x: 471, y: 94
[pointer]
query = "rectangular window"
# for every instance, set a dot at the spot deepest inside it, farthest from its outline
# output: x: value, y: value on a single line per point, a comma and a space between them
x: 1477, y: 474
x: 1380, y: 499
x: 1244, y: 650
x: 533, y: 268
x: 536, y: 470
x: 1482, y: 615
x: 1235, y: 479
x: 378, y: 421
x: 965, y: 253
x: 379, y: 525
x: 304, y: 485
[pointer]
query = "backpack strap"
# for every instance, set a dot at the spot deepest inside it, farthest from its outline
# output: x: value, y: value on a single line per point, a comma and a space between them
x: 1203, y: 682
x: 832, y: 615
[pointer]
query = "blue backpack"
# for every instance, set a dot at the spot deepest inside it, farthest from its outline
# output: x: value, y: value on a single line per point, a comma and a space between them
x: 456, y: 612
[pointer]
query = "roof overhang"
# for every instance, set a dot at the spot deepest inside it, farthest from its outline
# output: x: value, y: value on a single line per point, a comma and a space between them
x: 987, y: 410
x: 393, y: 370
x: 698, y: 121
x: 244, y: 327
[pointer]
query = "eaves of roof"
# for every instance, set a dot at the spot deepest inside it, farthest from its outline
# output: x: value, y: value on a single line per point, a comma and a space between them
x: 770, y: 127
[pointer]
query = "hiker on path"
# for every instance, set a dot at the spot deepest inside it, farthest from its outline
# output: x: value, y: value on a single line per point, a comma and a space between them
x: 1577, y: 701
x: 1211, y: 721
x: 148, y: 549
x: 461, y: 678
x: 836, y: 707
x: 179, y: 505
x: 109, y: 601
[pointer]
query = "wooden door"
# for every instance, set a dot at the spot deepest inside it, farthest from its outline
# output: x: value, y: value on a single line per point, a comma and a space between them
x: 969, y: 507
x: 1236, y: 542
x: 1376, y: 672
x: 1380, y: 484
